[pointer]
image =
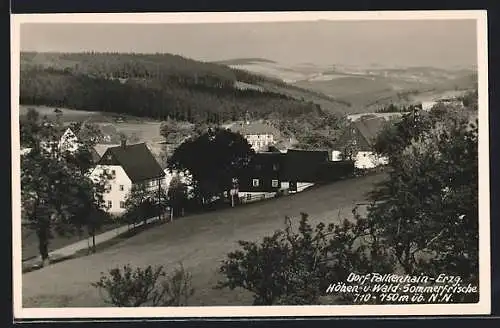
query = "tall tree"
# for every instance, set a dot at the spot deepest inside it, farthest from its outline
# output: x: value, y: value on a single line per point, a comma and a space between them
x: 429, y: 205
x: 56, y: 192
x: 224, y: 155
x: 177, y: 195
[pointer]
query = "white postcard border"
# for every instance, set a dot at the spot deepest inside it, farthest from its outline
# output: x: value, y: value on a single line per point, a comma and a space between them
x: 482, y: 307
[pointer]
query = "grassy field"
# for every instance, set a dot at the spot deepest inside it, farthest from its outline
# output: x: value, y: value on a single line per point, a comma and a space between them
x: 200, y: 242
x: 137, y: 129
x: 72, y: 115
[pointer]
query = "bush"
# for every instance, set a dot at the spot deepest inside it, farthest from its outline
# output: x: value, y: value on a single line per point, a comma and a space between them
x: 295, y: 267
x: 133, y: 287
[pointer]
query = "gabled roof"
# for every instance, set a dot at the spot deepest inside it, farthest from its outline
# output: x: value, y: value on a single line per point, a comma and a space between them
x: 136, y: 160
x: 254, y: 128
x: 369, y: 128
x: 363, y: 131
x: 60, y: 132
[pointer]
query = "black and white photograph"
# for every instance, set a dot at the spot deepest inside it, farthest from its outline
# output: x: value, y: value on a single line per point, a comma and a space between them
x: 250, y: 164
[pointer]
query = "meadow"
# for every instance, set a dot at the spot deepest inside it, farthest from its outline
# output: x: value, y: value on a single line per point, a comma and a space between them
x: 199, y: 241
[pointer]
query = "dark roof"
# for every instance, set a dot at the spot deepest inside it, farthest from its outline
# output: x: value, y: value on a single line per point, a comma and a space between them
x: 303, y: 165
x: 137, y: 161
x: 364, y: 131
x: 369, y: 128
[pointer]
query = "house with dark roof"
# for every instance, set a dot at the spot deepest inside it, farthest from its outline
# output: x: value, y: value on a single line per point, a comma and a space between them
x: 263, y: 175
x: 357, y: 143
x: 259, y: 135
x: 271, y: 172
x: 128, y: 165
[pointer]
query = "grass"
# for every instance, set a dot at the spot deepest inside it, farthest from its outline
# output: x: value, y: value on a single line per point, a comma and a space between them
x: 200, y: 242
x: 72, y: 115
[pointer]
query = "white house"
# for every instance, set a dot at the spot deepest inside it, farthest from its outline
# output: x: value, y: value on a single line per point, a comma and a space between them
x: 128, y: 165
x: 359, y: 138
x: 258, y: 134
x: 67, y: 141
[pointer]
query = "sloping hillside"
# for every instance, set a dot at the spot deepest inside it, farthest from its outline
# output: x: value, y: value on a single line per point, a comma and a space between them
x: 365, y: 89
x: 161, y: 86
x: 200, y: 242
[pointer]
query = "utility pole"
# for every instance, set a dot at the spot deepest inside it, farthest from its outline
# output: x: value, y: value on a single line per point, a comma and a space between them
x: 234, y: 191
x: 159, y: 200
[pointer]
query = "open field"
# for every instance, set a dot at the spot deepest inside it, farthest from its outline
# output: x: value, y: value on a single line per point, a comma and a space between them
x: 137, y: 129
x: 199, y: 241
x: 72, y: 115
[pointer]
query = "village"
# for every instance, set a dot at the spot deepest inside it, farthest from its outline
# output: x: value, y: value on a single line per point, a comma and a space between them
x: 277, y: 169
x: 272, y: 171
x: 184, y: 175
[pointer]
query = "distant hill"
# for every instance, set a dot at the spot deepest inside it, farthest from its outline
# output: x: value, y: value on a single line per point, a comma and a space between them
x: 160, y: 86
x: 366, y: 88
x: 243, y: 61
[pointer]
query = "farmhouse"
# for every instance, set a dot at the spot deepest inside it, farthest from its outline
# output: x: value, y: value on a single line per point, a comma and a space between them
x: 357, y: 142
x: 128, y: 165
x: 258, y: 134
x: 263, y: 176
x: 66, y: 140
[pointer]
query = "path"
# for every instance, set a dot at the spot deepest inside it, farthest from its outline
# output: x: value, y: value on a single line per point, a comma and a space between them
x: 72, y: 249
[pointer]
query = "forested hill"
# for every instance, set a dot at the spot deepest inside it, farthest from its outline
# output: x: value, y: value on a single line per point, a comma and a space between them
x: 161, y: 86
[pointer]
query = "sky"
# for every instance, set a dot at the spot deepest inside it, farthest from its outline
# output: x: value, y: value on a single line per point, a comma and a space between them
x: 438, y: 43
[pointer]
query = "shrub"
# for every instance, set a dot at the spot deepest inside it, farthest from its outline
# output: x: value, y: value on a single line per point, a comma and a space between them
x: 295, y: 267
x: 133, y: 287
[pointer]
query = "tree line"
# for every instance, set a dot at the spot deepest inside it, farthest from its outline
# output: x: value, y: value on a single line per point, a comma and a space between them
x: 159, y: 99
x: 159, y: 86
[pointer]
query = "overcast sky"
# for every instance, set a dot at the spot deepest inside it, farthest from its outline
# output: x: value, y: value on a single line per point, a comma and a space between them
x: 437, y: 43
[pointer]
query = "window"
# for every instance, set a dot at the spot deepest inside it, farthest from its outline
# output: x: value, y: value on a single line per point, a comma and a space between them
x: 122, y: 204
x: 121, y: 187
x: 274, y: 183
x: 255, y: 182
x: 249, y: 197
x: 113, y: 172
x: 110, y: 204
